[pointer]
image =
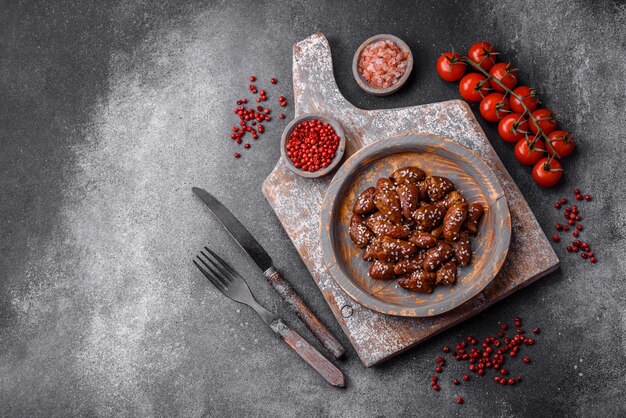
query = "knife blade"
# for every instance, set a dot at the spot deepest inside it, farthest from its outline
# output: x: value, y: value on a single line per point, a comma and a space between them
x: 250, y: 245
x: 236, y: 229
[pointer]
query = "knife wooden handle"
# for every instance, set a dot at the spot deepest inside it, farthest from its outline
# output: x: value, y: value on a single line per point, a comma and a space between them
x: 307, y: 316
x: 313, y: 357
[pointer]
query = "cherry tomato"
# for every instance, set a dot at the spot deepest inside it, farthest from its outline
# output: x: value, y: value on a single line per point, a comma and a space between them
x: 527, y: 156
x: 482, y: 53
x: 545, y: 119
x: 547, y: 174
x: 505, y: 73
x: 494, y: 107
x: 513, y: 127
x: 562, y: 142
x: 529, y: 97
x: 449, y: 67
x: 473, y: 87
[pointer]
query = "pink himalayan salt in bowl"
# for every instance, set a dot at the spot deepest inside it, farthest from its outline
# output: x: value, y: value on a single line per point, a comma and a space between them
x: 382, y: 64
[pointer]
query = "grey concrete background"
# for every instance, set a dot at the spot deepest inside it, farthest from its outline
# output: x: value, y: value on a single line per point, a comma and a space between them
x: 110, y: 112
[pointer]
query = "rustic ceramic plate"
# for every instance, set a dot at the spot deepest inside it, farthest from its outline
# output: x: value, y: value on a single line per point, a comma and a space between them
x: 435, y: 155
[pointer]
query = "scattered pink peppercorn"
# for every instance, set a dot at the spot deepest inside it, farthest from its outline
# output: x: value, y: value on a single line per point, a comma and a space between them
x: 490, y: 353
x: 249, y: 117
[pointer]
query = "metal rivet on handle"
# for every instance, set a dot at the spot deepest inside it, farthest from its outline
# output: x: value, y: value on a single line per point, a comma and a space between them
x: 347, y: 311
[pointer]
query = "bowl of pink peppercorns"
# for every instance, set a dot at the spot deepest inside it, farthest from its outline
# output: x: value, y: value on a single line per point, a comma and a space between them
x: 382, y: 64
x: 312, y: 145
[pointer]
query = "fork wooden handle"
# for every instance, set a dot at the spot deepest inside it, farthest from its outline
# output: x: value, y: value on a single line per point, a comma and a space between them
x: 307, y: 316
x: 314, y: 358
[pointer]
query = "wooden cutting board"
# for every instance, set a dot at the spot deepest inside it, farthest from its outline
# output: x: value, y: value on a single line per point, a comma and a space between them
x: 297, y: 202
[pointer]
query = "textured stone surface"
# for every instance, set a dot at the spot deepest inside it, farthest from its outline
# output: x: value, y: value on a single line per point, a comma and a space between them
x: 111, y: 112
x: 298, y: 203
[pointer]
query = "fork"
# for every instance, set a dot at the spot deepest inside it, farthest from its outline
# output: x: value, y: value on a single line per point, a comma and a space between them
x: 232, y: 285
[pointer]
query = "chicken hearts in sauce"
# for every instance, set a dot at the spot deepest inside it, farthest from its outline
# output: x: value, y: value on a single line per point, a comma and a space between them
x: 415, y: 228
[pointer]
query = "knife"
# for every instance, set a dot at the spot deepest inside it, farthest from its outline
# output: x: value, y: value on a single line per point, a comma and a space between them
x: 264, y: 261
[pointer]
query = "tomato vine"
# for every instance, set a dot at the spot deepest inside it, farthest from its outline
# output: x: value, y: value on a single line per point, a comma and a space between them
x: 538, y: 126
x: 510, y: 92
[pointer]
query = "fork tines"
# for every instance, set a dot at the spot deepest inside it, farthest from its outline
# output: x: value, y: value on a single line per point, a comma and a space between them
x: 220, y: 273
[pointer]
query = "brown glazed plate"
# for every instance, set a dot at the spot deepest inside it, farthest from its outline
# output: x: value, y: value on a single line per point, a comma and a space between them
x: 437, y: 156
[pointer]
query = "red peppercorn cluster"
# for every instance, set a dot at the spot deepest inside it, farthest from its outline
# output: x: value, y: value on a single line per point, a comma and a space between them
x: 491, y: 353
x: 250, y: 117
x: 312, y: 145
x: 572, y: 218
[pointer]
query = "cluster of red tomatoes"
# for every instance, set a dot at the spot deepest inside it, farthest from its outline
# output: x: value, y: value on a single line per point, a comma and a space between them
x: 538, y: 142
